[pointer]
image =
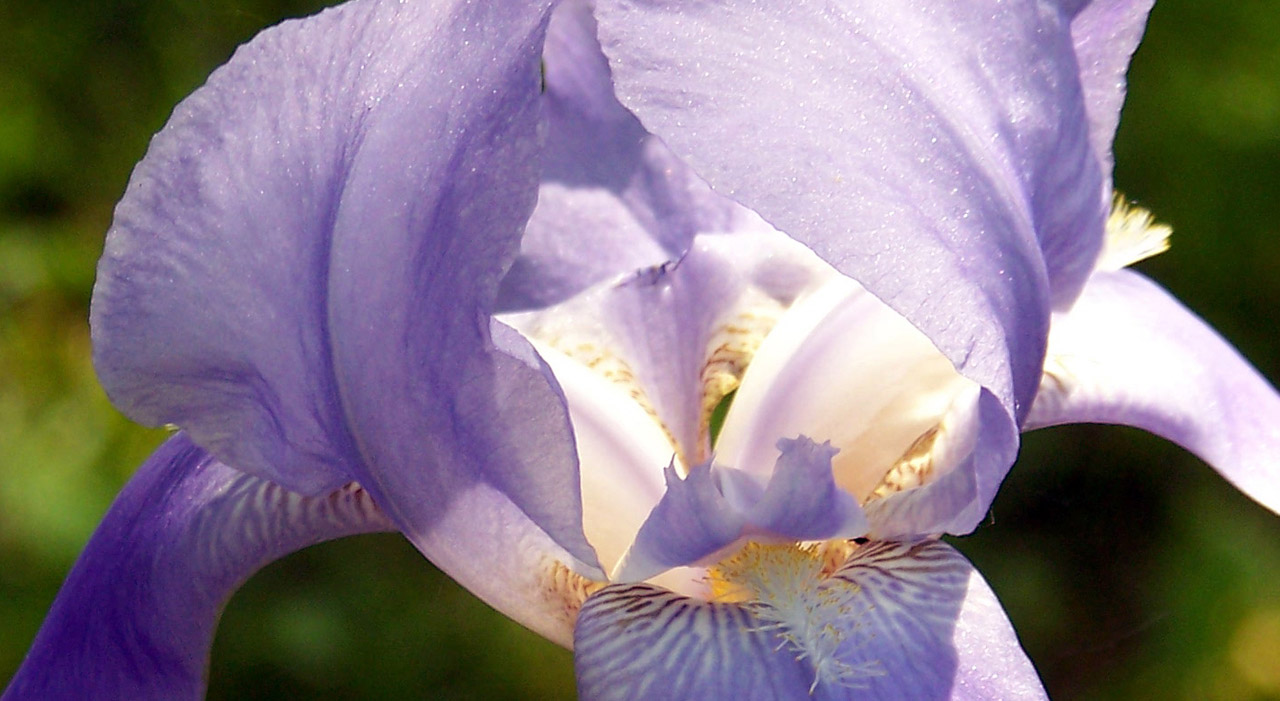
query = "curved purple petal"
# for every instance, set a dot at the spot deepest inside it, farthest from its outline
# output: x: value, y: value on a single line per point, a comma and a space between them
x: 934, y: 627
x: 907, y: 621
x: 476, y: 459
x: 936, y: 153
x: 1128, y: 353
x: 136, y: 616
x: 443, y: 405
x: 713, y: 507
x: 613, y: 198
x: 801, y: 500
x: 690, y: 522
x: 985, y: 447
x: 209, y: 310
x: 302, y: 270
x: 639, y: 641
x: 1105, y: 34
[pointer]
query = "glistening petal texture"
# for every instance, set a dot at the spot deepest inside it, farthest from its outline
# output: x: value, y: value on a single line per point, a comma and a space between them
x: 446, y: 408
x: 937, y: 153
x: 1105, y: 34
x: 303, y: 269
x: 915, y: 621
x: 613, y: 198
x: 1129, y: 353
x: 136, y: 616
x: 210, y: 307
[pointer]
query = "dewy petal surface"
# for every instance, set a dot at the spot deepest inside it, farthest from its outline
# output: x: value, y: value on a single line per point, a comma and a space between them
x: 938, y: 153
x: 302, y: 270
x: 446, y: 407
x: 918, y: 622
x: 1105, y: 34
x: 210, y: 307
x: 1129, y: 353
x: 136, y: 616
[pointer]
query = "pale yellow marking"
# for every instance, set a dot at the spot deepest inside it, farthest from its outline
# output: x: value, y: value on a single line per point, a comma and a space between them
x: 790, y: 589
x: 729, y: 352
x: 566, y: 590
x: 1132, y: 235
x: 617, y: 371
x: 913, y: 469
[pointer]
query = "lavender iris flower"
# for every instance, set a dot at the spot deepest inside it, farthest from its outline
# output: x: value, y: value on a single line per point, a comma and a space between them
x: 677, y: 332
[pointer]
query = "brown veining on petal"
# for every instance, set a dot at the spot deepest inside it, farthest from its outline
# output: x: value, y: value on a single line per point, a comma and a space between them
x: 729, y: 351
x: 613, y: 369
x: 834, y: 554
x: 565, y: 590
x: 913, y: 469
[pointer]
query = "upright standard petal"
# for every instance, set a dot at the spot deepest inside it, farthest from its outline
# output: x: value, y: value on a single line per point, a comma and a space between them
x: 1105, y: 34
x: 613, y: 198
x: 446, y: 408
x: 1128, y: 353
x: 938, y: 153
x: 896, y: 621
x: 302, y: 272
x: 136, y: 616
x: 209, y: 310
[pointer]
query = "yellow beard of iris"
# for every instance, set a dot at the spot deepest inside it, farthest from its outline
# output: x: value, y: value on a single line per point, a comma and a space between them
x: 791, y: 589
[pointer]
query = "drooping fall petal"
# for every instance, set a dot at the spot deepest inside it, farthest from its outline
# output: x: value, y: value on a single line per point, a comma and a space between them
x: 1128, y: 353
x: 897, y: 621
x: 1105, y: 34
x: 136, y: 616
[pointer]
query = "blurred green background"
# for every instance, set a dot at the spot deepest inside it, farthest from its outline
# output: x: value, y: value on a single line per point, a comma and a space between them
x: 1128, y: 567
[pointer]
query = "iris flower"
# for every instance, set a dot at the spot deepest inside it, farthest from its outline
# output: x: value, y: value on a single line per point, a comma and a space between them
x: 677, y: 332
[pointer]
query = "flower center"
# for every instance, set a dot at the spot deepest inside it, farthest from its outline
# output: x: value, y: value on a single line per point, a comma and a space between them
x: 746, y: 340
x: 790, y: 588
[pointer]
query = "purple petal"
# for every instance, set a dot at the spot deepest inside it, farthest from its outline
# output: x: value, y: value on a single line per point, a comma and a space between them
x: 936, y: 153
x: 802, y: 501
x: 1105, y: 34
x: 918, y: 622
x: 713, y: 507
x: 1128, y: 353
x: 481, y: 476
x: 613, y: 198
x: 639, y: 641
x: 431, y: 217
x: 934, y: 626
x: 209, y: 309
x: 983, y: 448
x: 136, y: 616
x: 692, y: 521
x: 303, y: 267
